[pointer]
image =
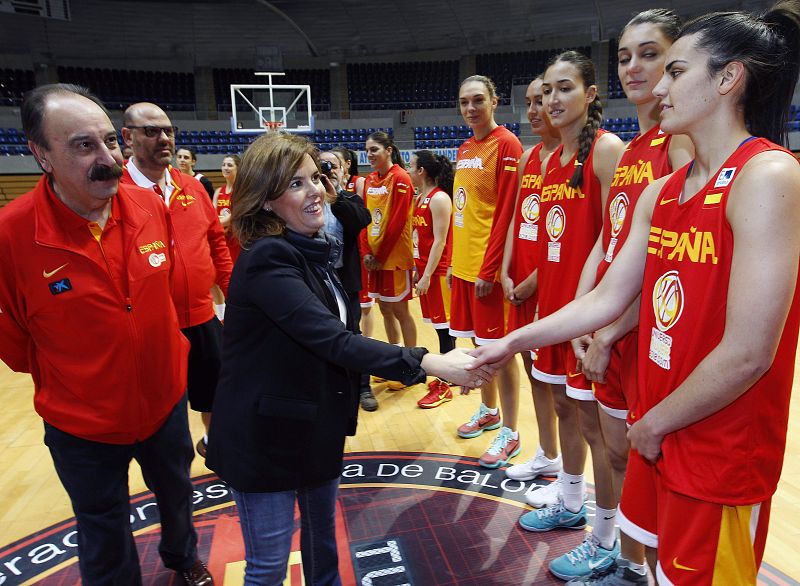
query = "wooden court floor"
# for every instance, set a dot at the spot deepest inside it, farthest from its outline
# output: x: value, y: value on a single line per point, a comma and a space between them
x: 31, y: 497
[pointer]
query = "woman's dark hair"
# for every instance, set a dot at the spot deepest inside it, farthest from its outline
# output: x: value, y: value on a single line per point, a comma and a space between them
x: 594, y: 118
x: 439, y: 169
x: 268, y: 166
x: 190, y: 150
x: 665, y: 19
x: 350, y: 157
x: 386, y: 141
x: 768, y: 47
x: 237, y: 160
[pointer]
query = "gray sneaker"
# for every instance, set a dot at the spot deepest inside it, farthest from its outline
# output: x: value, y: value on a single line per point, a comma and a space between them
x: 539, y: 465
x: 617, y: 574
x: 368, y: 401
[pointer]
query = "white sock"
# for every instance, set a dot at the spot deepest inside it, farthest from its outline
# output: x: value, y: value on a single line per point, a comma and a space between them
x: 514, y: 434
x: 603, y: 528
x: 572, y: 489
x: 640, y: 569
x: 491, y: 411
x: 205, y: 438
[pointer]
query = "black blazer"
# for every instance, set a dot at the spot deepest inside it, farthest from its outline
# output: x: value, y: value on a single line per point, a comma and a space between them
x: 351, y: 212
x: 288, y: 390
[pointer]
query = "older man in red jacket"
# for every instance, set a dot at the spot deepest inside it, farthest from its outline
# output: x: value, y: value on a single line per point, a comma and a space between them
x: 85, y: 307
x: 201, y: 254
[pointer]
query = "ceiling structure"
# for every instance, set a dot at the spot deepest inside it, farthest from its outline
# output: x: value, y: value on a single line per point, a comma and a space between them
x: 209, y: 32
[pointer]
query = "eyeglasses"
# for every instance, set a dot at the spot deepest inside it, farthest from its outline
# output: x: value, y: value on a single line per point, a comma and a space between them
x: 153, y: 131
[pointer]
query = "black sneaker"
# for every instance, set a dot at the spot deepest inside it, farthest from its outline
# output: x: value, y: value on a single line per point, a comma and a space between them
x: 201, y: 447
x: 368, y: 401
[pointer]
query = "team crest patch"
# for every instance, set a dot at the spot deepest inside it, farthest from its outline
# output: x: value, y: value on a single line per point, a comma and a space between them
x: 401, y: 518
x: 725, y: 177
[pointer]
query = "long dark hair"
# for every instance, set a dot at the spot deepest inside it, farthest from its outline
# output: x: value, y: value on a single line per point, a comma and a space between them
x: 768, y: 47
x: 594, y: 118
x: 665, y: 19
x: 439, y: 169
x: 350, y: 157
x: 386, y: 142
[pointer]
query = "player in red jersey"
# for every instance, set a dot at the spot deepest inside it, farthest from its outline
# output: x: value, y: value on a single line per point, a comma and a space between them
x: 519, y: 279
x: 608, y: 358
x: 222, y: 203
x: 432, y: 176
x: 389, y: 195
x: 484, y: 190
x: 575, y: 184
x: 716, y: 354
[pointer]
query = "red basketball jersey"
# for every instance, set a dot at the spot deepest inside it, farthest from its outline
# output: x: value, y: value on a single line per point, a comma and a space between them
x: 224, y: 202
x: 734, y: 456
x: 572, y: 219
x: 645, y: 159
x: 422, y: 236
x: 526, y: 224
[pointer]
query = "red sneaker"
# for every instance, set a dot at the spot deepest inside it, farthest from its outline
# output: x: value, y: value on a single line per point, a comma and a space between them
x: 480, y: 422
x: 438, y: 392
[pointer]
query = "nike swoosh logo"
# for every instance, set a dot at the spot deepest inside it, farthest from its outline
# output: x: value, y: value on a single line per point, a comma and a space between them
x: 608, y: 518
x: 578, y: 482
x: 48, y: 274
x: 490, y: 330
x: 681, y: 566
x: 666, y: 201
x: 598, y: 563
x: 573, y: 374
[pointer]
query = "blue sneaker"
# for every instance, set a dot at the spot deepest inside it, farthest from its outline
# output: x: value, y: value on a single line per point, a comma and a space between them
x: 587, y: 558
x: 553, y: 517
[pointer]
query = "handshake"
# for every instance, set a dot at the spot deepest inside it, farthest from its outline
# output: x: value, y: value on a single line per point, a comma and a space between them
x: 459, y: 367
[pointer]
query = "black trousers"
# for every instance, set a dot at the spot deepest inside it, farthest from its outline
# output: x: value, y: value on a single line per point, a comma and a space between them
x: 354, y: 309
x: 95, y: 476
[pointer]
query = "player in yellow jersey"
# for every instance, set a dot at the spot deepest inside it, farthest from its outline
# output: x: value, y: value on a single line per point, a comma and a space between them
x: 484, y: 192
x: 389, y: 195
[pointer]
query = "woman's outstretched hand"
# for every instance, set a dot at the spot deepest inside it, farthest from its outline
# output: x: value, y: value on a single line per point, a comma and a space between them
x: 458, y: 367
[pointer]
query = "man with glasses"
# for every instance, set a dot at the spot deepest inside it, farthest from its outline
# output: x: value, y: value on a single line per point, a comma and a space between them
x: 201, y: 254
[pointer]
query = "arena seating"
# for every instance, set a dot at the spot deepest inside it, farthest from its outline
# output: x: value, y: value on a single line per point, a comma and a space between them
x: 448, y: 137
x: 519, y: 68
x: 351, y: 138
x: 399, y: 86
x: 14, y: 83
x: 119, y: 88
x: 625, y: 128
x: 13, y: 142
x: 615, y: 91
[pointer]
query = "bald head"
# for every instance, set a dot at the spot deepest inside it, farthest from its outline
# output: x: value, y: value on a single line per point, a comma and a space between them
x: 149, y: 132
x: 141, y: 110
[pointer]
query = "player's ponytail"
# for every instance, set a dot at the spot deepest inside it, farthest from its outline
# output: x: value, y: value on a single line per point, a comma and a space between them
x: 769, y: 48
x: 439, y: 169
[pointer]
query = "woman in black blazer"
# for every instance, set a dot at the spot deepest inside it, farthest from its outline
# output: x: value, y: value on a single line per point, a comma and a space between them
x: 288, y: 391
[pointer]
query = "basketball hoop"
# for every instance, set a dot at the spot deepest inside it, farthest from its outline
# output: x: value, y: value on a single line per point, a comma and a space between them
x: 272, y: 126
